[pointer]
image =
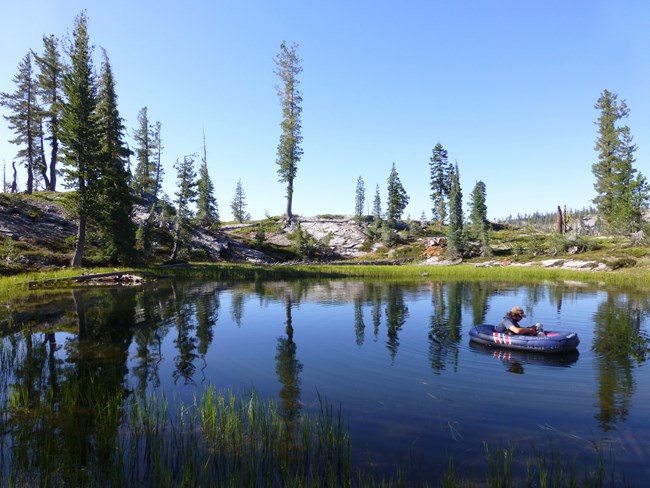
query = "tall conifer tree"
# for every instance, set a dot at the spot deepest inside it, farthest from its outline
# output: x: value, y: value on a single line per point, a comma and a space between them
x: 49, y: 87
x: 359, y: 198
x: 185, y: 196
x: 25, y: 118
x: 397, y: 198
x: 440, y: 182
x: 238, y: 204
x: 376, y: 205
x: 207, y: 210
x: 288, y: 67
x: 478, y: 217
x: 455, y: 244
x: 79, y: 131
x: 156, y: 163
x: 478, y: 208
x: 115, y: 201
x: 621, y: 192
x: 144, y: 177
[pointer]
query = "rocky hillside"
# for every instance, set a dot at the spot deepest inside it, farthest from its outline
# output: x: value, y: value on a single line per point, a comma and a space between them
x: 36, y: 232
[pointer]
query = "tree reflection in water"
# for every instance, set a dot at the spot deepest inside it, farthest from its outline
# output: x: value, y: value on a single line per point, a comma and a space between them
x: 445, y: 324
x: 396, y: 315
x: 620, y: 344
x: 72, y: 375
x: 288, y: 369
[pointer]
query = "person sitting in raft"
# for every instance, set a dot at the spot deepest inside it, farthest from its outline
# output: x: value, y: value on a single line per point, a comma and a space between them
x: 510, y: 323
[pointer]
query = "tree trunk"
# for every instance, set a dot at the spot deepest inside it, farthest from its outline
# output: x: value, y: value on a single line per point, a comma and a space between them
x: 14, y: 183
x: 30, y: 176
x: 43, y: 166
x: 81, y: 243
x: 177, y: 233
x: 289, y: 200
x: 53, y: 158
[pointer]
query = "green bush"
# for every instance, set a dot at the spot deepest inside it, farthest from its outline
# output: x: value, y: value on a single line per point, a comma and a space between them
x: 260, y: 235
x: 8, y: 252
x: 535, y: 244
x: 622, y: 263
x: 638, y: 252
x: 559, y: 244
x: 389, y: 237
x: 587, y: 243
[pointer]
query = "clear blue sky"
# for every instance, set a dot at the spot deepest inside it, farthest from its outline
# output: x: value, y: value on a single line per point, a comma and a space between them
x: 507, y: 87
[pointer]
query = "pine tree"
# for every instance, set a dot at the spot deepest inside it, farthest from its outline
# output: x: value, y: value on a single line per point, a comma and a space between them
x: 360, y: 198
x: 630, y: 186
x: 238, y: 204
x: 49, y: 88
x: 156, y: 163
x: 289, y: 151
x: 480, y: 225
x: 478, y: 209
x: 621, y: 192
x: 115, y: 202
x: 207, y: 210
x: 423, y: 219
x: 185, y: 196
x: 260, y: 235
x: 151, y: 140
x: 455, y: 244
x: 25, y: 118
x: 79, y: 132
x: 440, y: 170
x: 376, y: 205
x: 144, y: 174
x: 397, y: 198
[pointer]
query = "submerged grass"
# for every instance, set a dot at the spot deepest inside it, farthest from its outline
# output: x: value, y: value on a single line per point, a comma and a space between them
x: 221, y: 439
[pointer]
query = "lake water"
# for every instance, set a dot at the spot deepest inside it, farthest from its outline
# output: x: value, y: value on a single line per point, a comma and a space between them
x: 395, y: 357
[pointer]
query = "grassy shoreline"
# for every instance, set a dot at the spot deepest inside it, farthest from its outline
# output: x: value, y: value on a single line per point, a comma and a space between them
x: 628, y: 278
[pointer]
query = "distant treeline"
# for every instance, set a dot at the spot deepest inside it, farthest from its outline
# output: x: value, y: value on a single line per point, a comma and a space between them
x: 547, y: 222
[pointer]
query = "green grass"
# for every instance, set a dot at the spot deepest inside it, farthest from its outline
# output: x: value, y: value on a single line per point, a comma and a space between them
x: 628, y: 278
x: 88, y: 436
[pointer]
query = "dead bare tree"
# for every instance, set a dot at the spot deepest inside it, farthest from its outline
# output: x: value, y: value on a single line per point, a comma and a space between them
x: 559, y: 222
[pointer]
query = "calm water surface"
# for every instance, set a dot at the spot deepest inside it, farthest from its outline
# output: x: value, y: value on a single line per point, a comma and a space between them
x: 395, y: 357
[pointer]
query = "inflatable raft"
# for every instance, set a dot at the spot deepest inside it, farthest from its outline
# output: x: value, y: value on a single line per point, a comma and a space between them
x: 551, y: 342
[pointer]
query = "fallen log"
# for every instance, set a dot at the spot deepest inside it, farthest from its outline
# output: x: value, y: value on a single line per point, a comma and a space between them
x: 114, y: 277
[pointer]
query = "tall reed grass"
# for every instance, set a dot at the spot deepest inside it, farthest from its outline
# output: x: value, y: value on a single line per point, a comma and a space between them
x: 90, y: 438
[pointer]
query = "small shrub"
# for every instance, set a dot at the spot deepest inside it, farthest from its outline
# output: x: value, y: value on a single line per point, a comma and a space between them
x: 535, y: 244
x: 558, y: 244
x: 622, y: 263
x: 260, y: 235
x: 518, y: 250
x: 330, y: 217
x: 200, y: 255
x: 638, y: 252
x: 410, y: 252
x: 70, y: 241
x: 587, y: 243
x: 389, y: 237
x: 367, y: 245
x: 8, y: 252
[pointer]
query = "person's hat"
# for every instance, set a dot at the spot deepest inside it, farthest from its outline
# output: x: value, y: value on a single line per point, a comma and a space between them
x: 518, y: 311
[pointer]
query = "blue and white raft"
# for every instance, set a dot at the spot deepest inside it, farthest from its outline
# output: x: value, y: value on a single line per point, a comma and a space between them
x: 551, y: 342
